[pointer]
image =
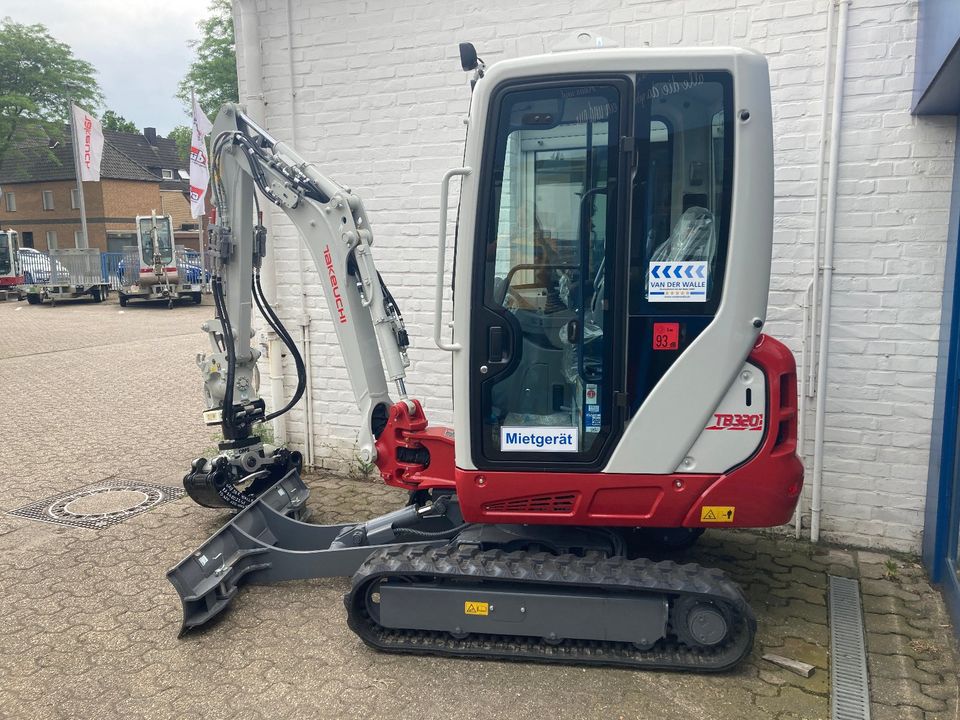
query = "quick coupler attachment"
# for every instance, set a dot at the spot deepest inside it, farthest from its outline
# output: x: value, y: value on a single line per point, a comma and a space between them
x: 237, y: 477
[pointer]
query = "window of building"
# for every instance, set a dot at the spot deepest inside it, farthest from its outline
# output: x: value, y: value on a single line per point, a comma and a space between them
x: 167, y: 174
x: 51, y: 240
x: 26, y: 238
x: 48, y: 199
x: 78, y: 238
x: 74, y: 198
x: 11, y: 201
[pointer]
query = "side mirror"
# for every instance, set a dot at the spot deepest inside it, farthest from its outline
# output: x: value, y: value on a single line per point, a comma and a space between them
x: 468, y: 57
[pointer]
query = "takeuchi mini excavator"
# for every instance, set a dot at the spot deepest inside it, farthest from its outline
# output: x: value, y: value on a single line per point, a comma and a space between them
x: 155, y: 269
x: 610, y: 377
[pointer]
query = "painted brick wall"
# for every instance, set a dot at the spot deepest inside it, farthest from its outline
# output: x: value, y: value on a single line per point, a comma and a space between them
x: 378, y: 100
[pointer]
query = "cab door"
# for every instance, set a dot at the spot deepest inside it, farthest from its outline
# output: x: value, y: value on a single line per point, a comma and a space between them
x: 549, y: 297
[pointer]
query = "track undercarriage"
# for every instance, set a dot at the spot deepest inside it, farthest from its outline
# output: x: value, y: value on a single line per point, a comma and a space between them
x: 425, y: 582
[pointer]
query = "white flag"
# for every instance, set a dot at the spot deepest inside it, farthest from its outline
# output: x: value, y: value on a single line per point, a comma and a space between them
x: 87, y: 143
x: 199, y: 167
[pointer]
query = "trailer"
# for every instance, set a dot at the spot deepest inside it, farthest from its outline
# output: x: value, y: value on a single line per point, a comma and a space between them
x: 64, y: 275
x: 11, y: 276
x: 154, y: 269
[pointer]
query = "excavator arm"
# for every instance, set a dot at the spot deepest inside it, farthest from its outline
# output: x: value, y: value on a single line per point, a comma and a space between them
x: 248, y: 164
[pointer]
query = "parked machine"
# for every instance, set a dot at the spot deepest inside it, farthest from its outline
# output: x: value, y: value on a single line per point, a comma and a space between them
x: 610, y: 379
x: 63, y: 274
x: 155, y: 269
x: 11, y: 276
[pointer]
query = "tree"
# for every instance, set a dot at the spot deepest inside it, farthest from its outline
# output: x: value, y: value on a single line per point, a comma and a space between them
x: 183, y: 136
x: 213, y: 73
x: 112, y: 121
x: 38, y: 78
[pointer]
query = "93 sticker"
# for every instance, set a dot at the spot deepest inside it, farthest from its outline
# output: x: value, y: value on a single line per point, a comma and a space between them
x: 737, y: 421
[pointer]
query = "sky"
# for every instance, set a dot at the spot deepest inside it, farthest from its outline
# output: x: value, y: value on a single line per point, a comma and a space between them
x: 139, y: 49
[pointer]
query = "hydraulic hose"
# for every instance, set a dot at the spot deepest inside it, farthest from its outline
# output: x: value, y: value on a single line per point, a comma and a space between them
x: 231, y: 350
x: 438, y: 535
x: 263, y: 305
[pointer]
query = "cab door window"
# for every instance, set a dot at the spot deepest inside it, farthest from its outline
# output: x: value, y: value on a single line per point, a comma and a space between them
x: 680, y: 218
x: 159, y: 247
x: 544, y: 330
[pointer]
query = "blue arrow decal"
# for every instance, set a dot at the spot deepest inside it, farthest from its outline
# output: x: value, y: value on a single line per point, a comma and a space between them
x: 688, y: 271
x: 655, y: 271
x: 678, y: 271
x: 700, y: 270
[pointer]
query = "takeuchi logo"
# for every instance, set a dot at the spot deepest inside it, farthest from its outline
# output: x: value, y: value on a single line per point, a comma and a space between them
x: 87, y: 140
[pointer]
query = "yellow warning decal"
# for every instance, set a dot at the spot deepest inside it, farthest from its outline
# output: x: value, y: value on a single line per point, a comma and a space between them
x: 717, y: 513
x: 476, y: 608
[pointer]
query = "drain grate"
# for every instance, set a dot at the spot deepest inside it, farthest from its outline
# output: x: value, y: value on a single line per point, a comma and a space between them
x: 100, y: 505
x: 849, y: 693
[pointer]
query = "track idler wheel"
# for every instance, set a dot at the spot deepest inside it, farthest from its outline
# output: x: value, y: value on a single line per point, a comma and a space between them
x: 701, y: 623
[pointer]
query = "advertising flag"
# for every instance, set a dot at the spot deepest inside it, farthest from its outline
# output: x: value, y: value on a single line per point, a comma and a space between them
x: 87, y: 144
x: 199, y: 162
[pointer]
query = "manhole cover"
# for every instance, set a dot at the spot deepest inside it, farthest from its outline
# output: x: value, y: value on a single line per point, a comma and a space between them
x: 99, y: 506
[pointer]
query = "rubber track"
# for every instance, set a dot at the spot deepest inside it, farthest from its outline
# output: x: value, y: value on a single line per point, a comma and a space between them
x: 495, y: 567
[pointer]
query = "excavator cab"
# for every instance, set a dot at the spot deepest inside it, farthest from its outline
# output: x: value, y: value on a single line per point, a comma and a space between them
x: 155, y: 238
x: 611, y: 285
x: 590, y: 180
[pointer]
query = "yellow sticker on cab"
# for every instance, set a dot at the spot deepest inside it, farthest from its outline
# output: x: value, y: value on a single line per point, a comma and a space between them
x: 476, y: 608
x: 717, y: 513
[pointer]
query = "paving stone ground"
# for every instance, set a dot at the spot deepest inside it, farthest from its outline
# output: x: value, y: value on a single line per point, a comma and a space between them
x: 88, y: 622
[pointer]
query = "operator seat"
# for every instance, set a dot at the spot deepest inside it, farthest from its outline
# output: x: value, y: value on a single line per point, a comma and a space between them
x: 694, y: 237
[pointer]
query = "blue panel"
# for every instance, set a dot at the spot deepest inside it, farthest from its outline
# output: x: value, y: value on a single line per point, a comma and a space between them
x: 943, y: 436
x: 950, y: 584
x: 936, y: 78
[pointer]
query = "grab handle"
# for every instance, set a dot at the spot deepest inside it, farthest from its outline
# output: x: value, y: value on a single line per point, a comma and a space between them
x: 441, y: 257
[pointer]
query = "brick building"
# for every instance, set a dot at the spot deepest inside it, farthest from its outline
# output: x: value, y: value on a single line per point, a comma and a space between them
x: 139, y: 173
x: 380, y: 108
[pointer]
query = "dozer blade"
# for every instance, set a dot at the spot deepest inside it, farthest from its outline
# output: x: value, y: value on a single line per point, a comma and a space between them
x: 261, y: 544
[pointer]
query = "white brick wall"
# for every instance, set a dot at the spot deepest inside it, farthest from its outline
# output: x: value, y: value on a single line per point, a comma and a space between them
x: 379, y: 99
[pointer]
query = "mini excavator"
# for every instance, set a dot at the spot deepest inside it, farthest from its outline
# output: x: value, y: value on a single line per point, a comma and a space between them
x: 610, y: 377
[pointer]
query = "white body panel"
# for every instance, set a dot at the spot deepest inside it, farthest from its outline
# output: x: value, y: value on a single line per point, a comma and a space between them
x: 735, y: 429
x: 663, y: 431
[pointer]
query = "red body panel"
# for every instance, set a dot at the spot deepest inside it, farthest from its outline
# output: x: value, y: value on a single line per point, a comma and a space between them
x: 11, y: 280
x: 763, y: 491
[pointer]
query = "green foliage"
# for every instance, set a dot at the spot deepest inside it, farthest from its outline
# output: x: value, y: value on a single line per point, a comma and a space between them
x: 213, y: 73
x: 361, y: 470
x: 38, y: 78
x: 183, y: 136
x: 890, y: 571
x: 112, y: 121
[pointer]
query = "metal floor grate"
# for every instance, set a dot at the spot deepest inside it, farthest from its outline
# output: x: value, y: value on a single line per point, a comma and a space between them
x: 849, y: 690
